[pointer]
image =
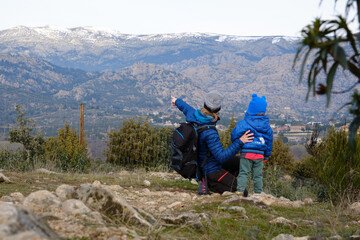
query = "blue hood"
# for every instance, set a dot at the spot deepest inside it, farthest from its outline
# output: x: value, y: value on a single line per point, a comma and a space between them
x: 202, y: 118
x: 259, y: 123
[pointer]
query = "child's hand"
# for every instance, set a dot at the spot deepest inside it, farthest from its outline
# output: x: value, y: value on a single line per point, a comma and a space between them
x: 173, y: 100
x: 247, y: 137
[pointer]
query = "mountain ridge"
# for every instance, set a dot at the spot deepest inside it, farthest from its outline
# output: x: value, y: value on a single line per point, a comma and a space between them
x: 140, y: 75
x: 76, y: 47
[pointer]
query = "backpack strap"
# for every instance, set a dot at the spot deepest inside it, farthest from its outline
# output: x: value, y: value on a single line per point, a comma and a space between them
x: 202, y: 128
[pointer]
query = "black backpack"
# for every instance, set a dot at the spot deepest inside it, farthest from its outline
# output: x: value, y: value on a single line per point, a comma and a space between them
x: 184, y: 149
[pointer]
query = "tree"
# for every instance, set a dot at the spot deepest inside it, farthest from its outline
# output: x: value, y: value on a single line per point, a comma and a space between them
x: 66, y: 152
x: 281, y: 156
x: 225, y: 136
x: 135, y: 144
x: 334, y: 46
x: 21, y: 133
x: 336, y: 167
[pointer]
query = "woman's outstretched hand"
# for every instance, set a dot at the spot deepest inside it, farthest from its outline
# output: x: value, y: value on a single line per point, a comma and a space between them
x: 173, y: 100
x: 247, y: 137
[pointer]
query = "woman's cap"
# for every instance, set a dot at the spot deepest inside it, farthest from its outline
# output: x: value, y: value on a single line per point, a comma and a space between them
x: 213, y: 101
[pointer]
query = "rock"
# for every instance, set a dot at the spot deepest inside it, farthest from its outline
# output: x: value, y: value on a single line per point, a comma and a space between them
x: 287, y: 177
x: 19, y: 223
x: 7, y: 199
x: 147, y: 183
x: 146, y: 191
x: 307, y: 222
x: 291, y: 237
x: 162, y: 209
x: 354, y: 237
x: 226, y: 193
x: 115, y: 188
x: 4, y: 179
x: 78, y: 208
x: 235, y: 209
x: 74, y: 207
x: 175, y: 205
x: 283, y: 221
x: 27, y: 235
x: 125, y: 233
x: 108, y: 203
x: 183, y: 196
x: 183, y: 219
x: 114, y: 238
x: 336, y: 237
x: 308, y: 201
x: 205, y: 217
x: 17, y: 197
x: 283, y: 237
x: 42, y: 201
x: 355, y: 208
x: 194, y: 182
x: 96, y: 183
x: 43, y: 170
x: 65, y: 191
x: 238, y: 200
x: 270, y: 200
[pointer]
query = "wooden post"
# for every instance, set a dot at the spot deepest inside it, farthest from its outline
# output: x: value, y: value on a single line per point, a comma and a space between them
x: 81, y: 124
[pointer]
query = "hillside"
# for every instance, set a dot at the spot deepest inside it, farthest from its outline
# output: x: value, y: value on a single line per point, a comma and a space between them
x: 155, y: 205
x: 121, y: 74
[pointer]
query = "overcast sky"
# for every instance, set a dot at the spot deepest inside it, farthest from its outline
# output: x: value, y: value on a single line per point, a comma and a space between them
x: 233, y: 17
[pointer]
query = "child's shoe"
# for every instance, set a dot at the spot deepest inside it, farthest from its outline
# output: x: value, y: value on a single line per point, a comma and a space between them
x: 245, y: 193
x: 242, y: 194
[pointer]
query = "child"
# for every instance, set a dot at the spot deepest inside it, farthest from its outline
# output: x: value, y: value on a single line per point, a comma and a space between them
x: 253, y: 154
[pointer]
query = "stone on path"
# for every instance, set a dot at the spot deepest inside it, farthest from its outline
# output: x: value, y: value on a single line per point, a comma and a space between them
x: 42, y: 201
x: 43, y: 170
x: 4, y: 179
x: 107, y: 202
x: 283, y: 221
x: 355, y: 208
x: 183, y: 219
x: 20, y: 224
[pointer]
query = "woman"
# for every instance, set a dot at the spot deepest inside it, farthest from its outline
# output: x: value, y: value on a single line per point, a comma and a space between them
x: 221, y: 165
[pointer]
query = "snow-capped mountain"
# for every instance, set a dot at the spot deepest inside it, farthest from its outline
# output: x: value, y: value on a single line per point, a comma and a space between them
x: 94, y: 49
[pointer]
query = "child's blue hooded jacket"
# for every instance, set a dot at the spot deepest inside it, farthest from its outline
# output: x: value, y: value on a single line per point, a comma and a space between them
x: 209, y: 140
x: 263, y: 135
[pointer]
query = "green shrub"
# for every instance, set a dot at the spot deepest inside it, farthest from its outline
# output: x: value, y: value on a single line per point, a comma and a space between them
x: 65, y: 151
x: 336, y: 166
x: 281, y: 156
x: 278, y: 183
x: 303, y: 168
x: 21, y: 133
x: 15, y: 160
x: 138, y: 144
x: 225, y: 136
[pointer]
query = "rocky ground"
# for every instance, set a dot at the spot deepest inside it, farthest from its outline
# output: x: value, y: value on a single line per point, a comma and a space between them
x: 141, y: 206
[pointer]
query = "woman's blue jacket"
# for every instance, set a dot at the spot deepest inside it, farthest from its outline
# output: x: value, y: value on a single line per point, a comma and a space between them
x: 209, y: 140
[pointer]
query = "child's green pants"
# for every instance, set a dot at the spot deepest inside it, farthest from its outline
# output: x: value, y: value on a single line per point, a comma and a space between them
x: 247, y: 165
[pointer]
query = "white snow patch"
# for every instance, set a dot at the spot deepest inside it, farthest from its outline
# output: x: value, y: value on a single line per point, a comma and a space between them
x: 95, y: 34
